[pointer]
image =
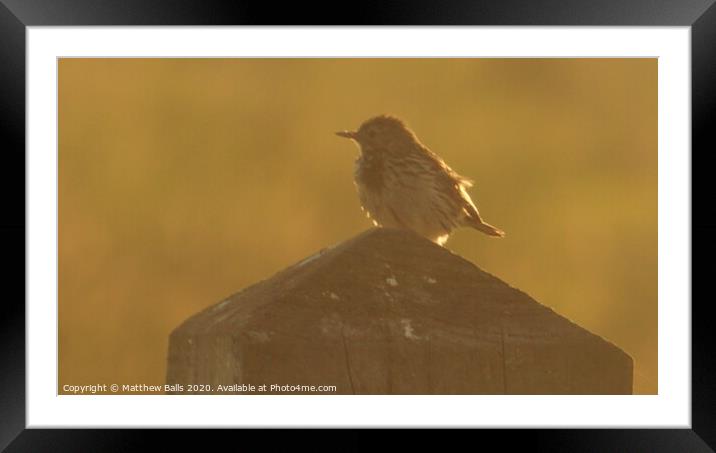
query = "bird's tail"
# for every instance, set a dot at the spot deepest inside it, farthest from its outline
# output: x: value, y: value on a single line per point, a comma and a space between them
x: 472, y: 218
x: 487, y: 228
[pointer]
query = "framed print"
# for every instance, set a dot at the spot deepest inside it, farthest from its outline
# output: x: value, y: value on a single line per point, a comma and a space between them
x: 482, y: 220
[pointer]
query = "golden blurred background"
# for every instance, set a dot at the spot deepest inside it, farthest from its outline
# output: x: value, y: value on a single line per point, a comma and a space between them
x: 182, y: 181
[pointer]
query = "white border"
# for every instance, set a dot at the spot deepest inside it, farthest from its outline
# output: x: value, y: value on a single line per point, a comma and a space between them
x: 671, y: 408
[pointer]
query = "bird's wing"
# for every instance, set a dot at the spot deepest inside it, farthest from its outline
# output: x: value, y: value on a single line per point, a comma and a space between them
x: 451, y: 188
x: 464, y: 181
x: 454, y: 176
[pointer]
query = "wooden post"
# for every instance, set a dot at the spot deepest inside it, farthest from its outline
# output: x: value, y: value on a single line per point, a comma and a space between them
x: 389, y: 312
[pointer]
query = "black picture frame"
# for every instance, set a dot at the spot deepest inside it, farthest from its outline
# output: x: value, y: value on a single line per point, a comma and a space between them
x: 16, y: 15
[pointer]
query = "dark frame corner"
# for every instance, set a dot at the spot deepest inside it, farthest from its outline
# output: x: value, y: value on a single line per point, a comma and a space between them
x: 16, y: 15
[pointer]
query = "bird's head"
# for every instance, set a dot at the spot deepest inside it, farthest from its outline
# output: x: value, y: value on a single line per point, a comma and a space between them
x: 382, y: 133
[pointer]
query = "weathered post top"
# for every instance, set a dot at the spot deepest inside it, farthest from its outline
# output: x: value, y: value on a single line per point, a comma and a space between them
x: 389, y: 312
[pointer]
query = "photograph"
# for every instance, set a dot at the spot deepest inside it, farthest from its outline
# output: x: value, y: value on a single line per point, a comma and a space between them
x: 357, y: 226
x: 478, y: 216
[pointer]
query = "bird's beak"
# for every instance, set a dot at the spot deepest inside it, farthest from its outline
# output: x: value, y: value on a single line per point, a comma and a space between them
x: 347, y: 134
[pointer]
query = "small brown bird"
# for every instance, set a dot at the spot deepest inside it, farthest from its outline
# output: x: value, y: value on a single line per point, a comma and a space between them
x: 402, y: 184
